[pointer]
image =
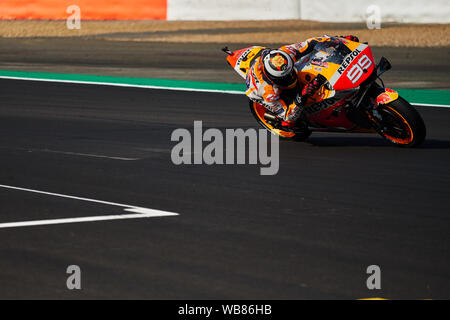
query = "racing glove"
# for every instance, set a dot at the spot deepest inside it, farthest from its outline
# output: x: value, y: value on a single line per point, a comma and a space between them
x: 310, y: 88
x: 351, y: 38
x: 300, y: 100
x: 299, y: 104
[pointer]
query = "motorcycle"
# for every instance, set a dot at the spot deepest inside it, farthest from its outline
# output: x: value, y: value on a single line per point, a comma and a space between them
x: 350, y: 99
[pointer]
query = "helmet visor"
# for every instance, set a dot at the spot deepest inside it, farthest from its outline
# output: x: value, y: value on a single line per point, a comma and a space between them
x: 286, y: 81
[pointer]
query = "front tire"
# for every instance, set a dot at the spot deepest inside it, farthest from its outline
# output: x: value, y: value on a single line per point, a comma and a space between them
x: 258, y: 111
x: 401, y: 124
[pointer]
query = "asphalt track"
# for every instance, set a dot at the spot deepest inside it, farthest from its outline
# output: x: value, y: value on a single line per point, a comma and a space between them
x: 338, y: 204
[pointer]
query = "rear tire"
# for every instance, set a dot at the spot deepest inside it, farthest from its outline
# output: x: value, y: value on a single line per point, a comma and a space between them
x: 403, y: 125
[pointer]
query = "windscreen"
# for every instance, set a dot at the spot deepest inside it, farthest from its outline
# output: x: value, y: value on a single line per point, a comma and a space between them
x: 333, y: 51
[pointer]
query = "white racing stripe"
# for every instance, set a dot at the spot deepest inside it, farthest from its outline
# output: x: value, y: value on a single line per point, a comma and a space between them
x: 336, y: 76
x: 139, y: 212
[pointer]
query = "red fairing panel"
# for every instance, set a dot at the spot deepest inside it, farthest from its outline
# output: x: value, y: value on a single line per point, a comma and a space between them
x: 355, y: 73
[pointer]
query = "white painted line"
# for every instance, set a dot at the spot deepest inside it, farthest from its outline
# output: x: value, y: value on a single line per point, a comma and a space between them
x: 86, y: 155
x: 67, y: 196
x: 84, y: 219
x: 168, y: 88
x: 140, y: 212
x: 431, y: 105
x: 125, y: 85
x: 73, y: 153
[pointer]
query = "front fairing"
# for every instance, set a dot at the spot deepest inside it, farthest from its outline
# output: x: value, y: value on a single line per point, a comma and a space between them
x: 345, y: 64
x: 242, y: 60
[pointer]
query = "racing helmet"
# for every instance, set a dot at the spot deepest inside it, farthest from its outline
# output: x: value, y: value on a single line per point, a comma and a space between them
x: 278, y: 67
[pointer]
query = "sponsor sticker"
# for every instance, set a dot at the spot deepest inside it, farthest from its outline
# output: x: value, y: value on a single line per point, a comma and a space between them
x: 348, y: 60
x: 278, y: 61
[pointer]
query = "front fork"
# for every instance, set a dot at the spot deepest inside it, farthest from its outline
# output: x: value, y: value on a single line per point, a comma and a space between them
x: 364, y: 113
x: 376, y: 95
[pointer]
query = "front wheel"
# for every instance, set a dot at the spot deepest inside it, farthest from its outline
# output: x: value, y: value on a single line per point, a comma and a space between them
x: 400, y: 123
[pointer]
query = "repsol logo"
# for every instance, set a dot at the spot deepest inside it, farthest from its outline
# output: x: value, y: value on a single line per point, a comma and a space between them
x: 348, y: 60
x: 319, y: 106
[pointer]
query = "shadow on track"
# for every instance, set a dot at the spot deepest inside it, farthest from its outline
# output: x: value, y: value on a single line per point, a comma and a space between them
x: 370, y: 142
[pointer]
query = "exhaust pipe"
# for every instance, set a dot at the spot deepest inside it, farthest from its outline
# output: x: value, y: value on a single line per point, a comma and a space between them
x: 270, y: 117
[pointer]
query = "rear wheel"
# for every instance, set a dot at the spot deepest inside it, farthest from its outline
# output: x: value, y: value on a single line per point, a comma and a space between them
x: 401, y: 124
x: 258, y: 112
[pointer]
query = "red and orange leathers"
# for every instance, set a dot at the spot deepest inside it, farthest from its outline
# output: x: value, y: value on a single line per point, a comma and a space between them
x: 261, y: 90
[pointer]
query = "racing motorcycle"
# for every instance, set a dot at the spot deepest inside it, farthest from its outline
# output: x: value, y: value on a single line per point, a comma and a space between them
x: 352, y: 97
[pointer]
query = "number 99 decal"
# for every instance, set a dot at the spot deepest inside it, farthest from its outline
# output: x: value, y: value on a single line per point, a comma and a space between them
x: 357, y: 70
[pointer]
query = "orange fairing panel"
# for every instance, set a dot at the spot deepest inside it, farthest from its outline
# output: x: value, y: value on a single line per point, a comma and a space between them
x: 232, y: 58
x: 241, y: 60
x: 260, y: 110
x: 90, y: 9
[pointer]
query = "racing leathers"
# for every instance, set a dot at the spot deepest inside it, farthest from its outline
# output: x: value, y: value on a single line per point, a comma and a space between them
x: 285, y: 102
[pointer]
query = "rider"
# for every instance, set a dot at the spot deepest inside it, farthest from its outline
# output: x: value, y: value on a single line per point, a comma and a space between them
x: 272, y: 80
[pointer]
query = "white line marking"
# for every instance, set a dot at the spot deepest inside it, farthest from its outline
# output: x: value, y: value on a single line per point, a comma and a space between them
x: 140, y: 212
x: 126, y: 85
x: 82, y: 219
x: 431, y: 105
x: 73, y: 153
x: 169, y: 88
x: 86, y: 155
